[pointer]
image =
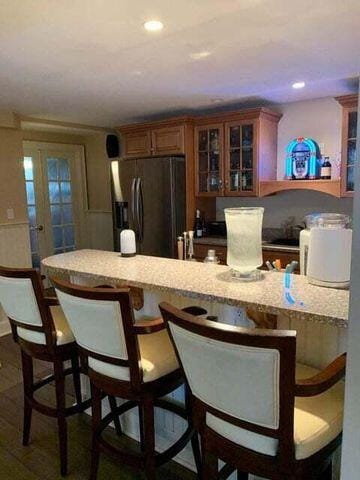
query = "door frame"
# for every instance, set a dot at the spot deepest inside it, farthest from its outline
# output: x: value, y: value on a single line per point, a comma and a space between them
x: 35, y: 148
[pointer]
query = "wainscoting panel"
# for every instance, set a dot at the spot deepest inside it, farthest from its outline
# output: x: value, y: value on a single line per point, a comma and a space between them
x: 14, y: 252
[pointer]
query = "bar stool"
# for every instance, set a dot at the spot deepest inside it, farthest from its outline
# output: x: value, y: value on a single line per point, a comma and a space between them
x: 247, y: 406
x: 41, y: 330
x: 131, y: 360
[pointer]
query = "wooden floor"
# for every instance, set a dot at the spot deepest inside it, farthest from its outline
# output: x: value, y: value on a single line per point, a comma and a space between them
x: 40, y: 459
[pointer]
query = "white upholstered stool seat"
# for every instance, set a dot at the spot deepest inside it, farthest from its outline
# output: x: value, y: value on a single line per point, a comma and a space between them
x: 64, y: 334
x: 317, y: 421
x: 157, y: 359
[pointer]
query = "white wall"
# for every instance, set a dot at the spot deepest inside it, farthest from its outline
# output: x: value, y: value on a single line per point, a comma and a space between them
x: 350, y: 467
x: 288, y: 204
x: 319, y: 119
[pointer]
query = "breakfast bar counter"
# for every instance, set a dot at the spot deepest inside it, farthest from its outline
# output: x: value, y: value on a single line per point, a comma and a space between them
x: 319, y: 315
x: 210, y: 283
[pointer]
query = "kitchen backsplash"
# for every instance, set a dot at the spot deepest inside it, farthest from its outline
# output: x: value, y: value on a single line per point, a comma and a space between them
x: 292, y: 205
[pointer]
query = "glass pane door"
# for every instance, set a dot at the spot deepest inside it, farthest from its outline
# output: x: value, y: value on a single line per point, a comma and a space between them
x: 34, y: 220
x: 61, y: 203
x: 351, y: 150
x: 209, y: 166
x: 241, y: 158
x: 53, y: 182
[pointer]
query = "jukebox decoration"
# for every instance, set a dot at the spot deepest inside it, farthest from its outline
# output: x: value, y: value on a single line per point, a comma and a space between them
x: 303, y: 159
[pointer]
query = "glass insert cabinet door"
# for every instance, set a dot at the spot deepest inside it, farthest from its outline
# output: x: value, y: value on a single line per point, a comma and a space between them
x: 209, y: 160
x: 51, y: 202
x: 350, y: 149
x: 240, y: 158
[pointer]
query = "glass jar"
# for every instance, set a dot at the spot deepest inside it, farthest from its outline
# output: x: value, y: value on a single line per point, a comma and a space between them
x: 244, y: 241
x: 211, y: 257
x: 329, y: 257
x: 310, y: 221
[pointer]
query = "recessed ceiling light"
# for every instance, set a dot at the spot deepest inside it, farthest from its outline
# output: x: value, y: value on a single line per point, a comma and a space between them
x: 199, y: 55
x: 153, y: 25
x: 217, y: 100
x: 298, y: 85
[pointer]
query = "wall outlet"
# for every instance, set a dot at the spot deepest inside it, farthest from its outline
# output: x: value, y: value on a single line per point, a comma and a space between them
x: 10, y: 214
x: 322, y: 148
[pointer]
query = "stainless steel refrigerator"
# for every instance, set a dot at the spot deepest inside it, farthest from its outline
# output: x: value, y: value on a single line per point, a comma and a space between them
x: 149, y: 197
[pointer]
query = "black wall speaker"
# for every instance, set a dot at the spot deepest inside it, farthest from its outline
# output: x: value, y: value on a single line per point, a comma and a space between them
x: 112, y: 146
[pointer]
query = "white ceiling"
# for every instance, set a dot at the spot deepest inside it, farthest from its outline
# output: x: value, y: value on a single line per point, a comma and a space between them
x: 90, y: 61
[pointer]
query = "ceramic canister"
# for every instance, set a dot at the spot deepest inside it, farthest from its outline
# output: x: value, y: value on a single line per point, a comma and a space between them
x: 127, y: 243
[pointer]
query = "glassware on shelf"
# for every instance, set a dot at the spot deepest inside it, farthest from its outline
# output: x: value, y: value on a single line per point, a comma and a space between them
x: 214, y: 140
x: 352, y: 125
x: 247, y: 135
x: 244, y: 242
x: 214, y: 182
x: 203, y: 140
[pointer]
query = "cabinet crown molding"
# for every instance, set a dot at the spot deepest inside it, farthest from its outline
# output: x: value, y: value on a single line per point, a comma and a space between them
x: 216, y: 117
x: 169, y: 122
x: 348, y: 100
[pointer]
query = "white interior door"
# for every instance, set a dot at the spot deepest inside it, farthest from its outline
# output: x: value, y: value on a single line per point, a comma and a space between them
x: 53, y: 176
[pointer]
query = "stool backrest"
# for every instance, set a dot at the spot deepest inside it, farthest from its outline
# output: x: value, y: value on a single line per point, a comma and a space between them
x: 101, y: 320
x: 22, y: 298
x: 244, y: 377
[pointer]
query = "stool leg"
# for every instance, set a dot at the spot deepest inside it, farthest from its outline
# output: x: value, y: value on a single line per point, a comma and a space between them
x: 327, y: 473
x: 195, y: 438
x: 76, y: 378
x: 141, y: 428
x: 196, y: 452
x: 28, y: 380
x: 149, y: 434
x: 209, y: 470
x: 96, y: 419
x: 112, y: 403
x: 61, y: 419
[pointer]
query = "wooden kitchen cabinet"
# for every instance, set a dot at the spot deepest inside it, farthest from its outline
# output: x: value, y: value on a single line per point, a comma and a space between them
x: 201, y: 249
x: 209, y: 161
x: 137, y: 144
x: 235, y: 152
x: 154, y: 141
x: 168, y: 141
x: 241, y: 158
x: 349, y: 105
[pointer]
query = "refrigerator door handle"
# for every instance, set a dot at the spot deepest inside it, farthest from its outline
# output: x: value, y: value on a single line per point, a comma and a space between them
x: 133, y: 205
x: 140, y: 210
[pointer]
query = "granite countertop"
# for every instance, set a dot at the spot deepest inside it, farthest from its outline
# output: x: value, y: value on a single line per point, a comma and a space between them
x: 207, y: 282
x: 222, y: 242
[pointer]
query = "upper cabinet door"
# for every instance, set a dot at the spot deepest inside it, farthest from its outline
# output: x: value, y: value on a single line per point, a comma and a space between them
x: 137, y: 144
x: 209, y: 148
x: 168, y: 140
x: 241, y: 158
x: 350, y: 120
x: 349, y: 105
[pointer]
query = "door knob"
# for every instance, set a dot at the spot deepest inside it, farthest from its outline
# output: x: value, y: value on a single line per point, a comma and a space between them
x: 39, y: 228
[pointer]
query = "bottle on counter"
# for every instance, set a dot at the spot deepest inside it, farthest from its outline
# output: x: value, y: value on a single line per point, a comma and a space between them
x: 198, y: 227
x: 211, y: 257
x: 180, y: 244
x: 325, y: 171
